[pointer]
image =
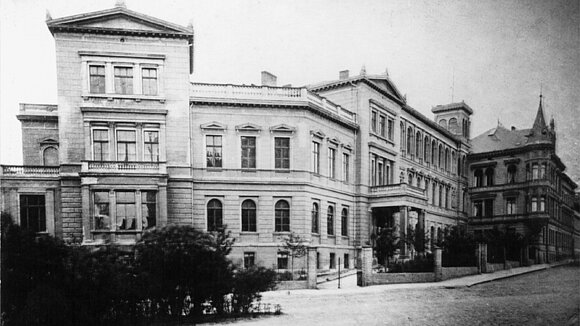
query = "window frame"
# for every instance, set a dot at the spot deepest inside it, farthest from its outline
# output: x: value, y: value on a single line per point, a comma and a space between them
x: 215, y: 226
x: 108, y: 142
x: 332, y: 162
x: 143, y: 78
x: 90, y: 77
x: 248, y: 152
x: 213, y: 147
x: 330, y: 220
x: 249, y: 216
x: 249, y: 259
x: 145, y: 143
x: 281, y: 220
x: 40, y: 209
x: 315, y: 218
x: 316, y: 157
x: 279, y: 157
x: 128, y: 90
x: 344, y: 222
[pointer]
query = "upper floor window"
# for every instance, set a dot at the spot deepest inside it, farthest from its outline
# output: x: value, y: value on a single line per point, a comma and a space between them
x: 345, y: 167
x: 374, y: 121
x: 390, y: 128
x: 123, y: 80
x: 315, y: 214
x: 282, y: 153
x: 426, y: 149
x: 478, y: 178
x: 151, y: 148
x: 330, y: 221
x: 344, y: 222
x: 443, y: 123
x: 214, y: 151
x: 126, y: 145
x: 382, y: 126
x: 126, y: 210
x: 101, y: 214
x: 453, y: 126
x: 511, y: 173
x: 248, y: 216
x: 248, y: 152
x: 543, y: 171
x: 149, y: 209
x: 97, y: 79
x: 282, y: 216
x: 101, y: 144
x: 403, y: 137
x: 489, y: 177
x: 33, y: 213
x: 410, y: 141
x: 50, y: 156
x: 316, y: 157
x: 478, y: 208
x: 332, y: 163
x: 214, y: 215
x: 149, y: 81
x: 447, y: 159
x: 535, y: 171
x: 441, y: 157
x: 510, y: 205
x: 434, y: 153
x: 418, y: 139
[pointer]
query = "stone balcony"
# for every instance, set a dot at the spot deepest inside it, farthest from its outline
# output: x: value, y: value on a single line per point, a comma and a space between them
x: 400, y: 194
x: 135, y: 167
x: 30, y: 171
x: 202, y: 92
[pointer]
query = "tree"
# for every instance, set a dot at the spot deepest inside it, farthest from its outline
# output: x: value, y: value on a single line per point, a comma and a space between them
x: 297, y: 247
x: 386, y: 244
x: 416, y: 238
x: 459, y: 248
x: 248, y: 283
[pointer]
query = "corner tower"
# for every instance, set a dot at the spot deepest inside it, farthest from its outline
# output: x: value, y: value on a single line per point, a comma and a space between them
x: 454, y: 117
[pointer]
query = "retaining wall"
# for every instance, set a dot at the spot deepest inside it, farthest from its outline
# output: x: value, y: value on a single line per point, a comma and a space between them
x: 394, y: 278
x: 454, y: 272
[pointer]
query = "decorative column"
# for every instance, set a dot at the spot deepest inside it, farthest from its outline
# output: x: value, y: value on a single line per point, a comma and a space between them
x: 403, y: 228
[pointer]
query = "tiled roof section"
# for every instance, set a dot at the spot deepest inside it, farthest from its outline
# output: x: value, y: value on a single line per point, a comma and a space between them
x: 539, y: 122
x: 452, y: 106
x: 499, y: 138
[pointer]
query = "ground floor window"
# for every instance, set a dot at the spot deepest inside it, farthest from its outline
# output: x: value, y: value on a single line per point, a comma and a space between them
x: 282, y: 260
x: 33, y: 213
x: 119, y: 210
x: 346, y: 261
x: 332, y: 261
x: 249, y: 259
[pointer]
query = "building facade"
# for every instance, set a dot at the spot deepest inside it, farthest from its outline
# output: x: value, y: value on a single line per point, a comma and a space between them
x: 518, y: 184
x: 133, y: 145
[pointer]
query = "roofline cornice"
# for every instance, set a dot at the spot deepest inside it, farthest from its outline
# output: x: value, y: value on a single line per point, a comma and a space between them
x: 116, y: 31
x: 509, y: 151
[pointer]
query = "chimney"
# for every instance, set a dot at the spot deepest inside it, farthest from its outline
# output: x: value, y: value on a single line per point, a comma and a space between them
x: 268, y: 79
x: 342, y: 75
x: 513, y: 128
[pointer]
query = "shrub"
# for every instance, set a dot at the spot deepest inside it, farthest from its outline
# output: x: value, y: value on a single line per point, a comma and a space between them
x: 459, y: 248
x: 248, y: 284
x: 420, y: 264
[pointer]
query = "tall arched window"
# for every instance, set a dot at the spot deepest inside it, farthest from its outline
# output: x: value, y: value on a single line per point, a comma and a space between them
x: 344, y: 222
x: 441, y: 195
x: 330, y: 221
x: 489, y: 177
x: 426, y: 149
x: 418, y: 139
x: 214, y: 215
x: 439, y: 236
x: 511, y: 173
x: 410, y: 141
x: 315, y: 214
x: 434, y: 153
x: 453, y: 127
x: 443, y: 123
x: 453, y: 162
x: 50, y: 156
x: 447, y: 159
x: 441, y: 158
x: 434, y: 191
x: 464, y: 164
x: 248, y: 216
x: 478, y: 178
x: 427, y: 189
x: 433, y: 237
x: 282, y: 216
x: 403, y: 137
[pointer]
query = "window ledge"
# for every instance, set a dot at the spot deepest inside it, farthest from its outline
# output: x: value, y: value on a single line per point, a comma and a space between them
x: 135, y: 97
x: 282, y: 170
x: 330, y: 236
x: 281, y: 232
x: 250, y: 170
x: 249, y: 232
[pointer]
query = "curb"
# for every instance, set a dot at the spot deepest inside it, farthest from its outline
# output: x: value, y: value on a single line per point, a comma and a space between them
x: 501, y: 277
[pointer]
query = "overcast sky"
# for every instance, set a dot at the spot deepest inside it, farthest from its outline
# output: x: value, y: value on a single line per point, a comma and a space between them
x: 497, y: 54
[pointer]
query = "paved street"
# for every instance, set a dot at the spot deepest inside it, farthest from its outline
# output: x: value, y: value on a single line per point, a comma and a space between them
x: 548, y: 297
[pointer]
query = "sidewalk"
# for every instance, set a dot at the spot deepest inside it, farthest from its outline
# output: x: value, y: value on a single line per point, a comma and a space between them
x: 348, y: 283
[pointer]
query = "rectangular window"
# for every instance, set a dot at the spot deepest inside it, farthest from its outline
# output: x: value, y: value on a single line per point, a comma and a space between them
x: 97, y: 79
x: 390, y: 128
x: 382, y: 127
x: 149, y: 209
x: 123, y: 80
x: 249, y: 259
x: 332, y: 163
x: 478, y: 208
x: 332, y: 261
x: 315, y: 157
x: 32, y: 213
x: 542, y: 203
x: 125, y: 208
x: 101, y: 215
x: 510, y: 205
x: 248, y: 152
x: 373, y: 171
x: 346, y: 261
x: 282, y: 153
x: 151, y: 146
x: 101, y: 145
x: 282, y: 260
x: 380, y: 171
x: 345, y: 167
x: 488, y: 204
x: 149, y: 81
x: 214, y: 151
x: 374, y: 121
x: 126, y: 146
x: 534, y: 204
x: 535, y: 171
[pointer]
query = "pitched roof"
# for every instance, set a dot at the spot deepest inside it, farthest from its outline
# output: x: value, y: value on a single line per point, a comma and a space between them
x: 499, y: 138
x: 380, y: 82
x: 452, y: 106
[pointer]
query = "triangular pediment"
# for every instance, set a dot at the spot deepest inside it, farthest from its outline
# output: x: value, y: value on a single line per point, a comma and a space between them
x: 214, y: 125
x: 118, y: 19
x: 248, y: 127
x: 282, y: 128
x: 385, y: 84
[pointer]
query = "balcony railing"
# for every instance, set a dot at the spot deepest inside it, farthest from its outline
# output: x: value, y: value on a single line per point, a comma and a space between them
x: 266, y: 93
x: 30, y: 170
x: 400, y: 189
x: 124, y: 166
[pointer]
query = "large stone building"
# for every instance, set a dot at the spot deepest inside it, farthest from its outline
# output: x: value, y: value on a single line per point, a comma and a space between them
x: 518, y: 184
x: 132, y: 145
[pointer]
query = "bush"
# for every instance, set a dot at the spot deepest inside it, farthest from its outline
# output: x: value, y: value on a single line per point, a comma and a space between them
x: 459, y: 248
x: 248, y: 284
x: 420, y: 264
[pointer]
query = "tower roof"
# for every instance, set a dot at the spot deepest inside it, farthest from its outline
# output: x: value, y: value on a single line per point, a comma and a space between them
x: 540, y: 122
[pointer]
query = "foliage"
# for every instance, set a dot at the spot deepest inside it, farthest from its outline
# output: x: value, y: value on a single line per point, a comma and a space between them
x: 416, y: 238
x: 419, y: 264
x: 296, y: 246
x: 248, y: 283
x: 459, y: 248
x: 386, y: 244
x: 503, y: 244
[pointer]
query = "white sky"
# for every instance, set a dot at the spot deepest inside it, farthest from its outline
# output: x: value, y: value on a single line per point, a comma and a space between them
x: 500, y: 52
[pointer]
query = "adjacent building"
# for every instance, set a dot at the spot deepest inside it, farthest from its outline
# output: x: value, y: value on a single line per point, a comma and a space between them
x: 133, y: 145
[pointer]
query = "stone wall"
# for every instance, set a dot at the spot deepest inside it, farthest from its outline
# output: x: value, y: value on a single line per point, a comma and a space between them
x: 454, y: 272
x: 394, y: 278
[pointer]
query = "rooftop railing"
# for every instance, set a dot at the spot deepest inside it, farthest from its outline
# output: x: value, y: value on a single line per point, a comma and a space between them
x: 30, y: 170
